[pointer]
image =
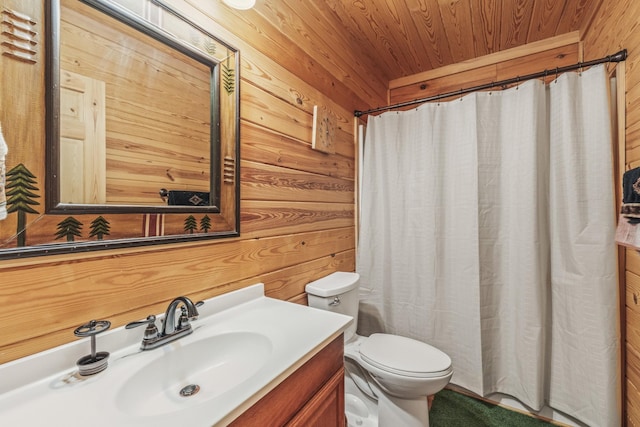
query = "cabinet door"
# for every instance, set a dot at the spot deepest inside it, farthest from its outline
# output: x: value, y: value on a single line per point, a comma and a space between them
x: 326, y: 408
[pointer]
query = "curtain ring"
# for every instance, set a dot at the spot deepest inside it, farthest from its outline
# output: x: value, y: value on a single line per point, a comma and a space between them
x: 517, y: 82
x: 556, y: 73
x: 579, y: 68
x: 460, y: 94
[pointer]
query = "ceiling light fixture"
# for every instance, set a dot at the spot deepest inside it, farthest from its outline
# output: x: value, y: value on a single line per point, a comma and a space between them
x: 240, y: 4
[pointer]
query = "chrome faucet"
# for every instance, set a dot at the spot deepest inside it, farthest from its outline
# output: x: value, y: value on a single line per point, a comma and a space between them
x: 170, y: 332
x: 189, y: 312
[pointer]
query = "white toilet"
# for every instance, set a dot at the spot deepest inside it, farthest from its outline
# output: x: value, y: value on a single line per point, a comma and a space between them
x: 387, y: 377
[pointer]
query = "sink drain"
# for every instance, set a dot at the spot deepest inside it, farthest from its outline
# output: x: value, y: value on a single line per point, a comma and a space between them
x: 189, y: 390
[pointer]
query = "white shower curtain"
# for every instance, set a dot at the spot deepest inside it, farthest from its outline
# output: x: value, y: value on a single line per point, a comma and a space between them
x: 487, y: 229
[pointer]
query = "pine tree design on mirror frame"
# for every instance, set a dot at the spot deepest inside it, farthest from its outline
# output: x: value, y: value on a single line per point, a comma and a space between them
x: 228, y: 76
x: 190, y: 224
x: 205, y: 224
x: 21, y: 184
x: 69, y: 228
x: 100, y: 227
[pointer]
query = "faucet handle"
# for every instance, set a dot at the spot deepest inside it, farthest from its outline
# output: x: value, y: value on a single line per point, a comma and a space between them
x: 151, y: 331
x: 184, y: 319
x: 198, y: 304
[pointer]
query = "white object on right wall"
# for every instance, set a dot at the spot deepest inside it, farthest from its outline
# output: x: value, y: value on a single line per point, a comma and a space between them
x: 627, y: 233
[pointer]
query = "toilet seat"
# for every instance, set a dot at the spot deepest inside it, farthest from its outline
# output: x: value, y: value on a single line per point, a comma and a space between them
x: 404, y: 356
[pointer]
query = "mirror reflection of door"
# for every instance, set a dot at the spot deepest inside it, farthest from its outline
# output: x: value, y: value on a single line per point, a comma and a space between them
x: 82, y: 139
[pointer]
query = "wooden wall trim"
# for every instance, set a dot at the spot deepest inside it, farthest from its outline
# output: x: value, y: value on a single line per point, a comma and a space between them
x: 491, y: 59
x: 621, y: 125
x: 620, y: 160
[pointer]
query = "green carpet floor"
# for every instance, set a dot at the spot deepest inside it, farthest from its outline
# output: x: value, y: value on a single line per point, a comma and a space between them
x: 451, y: 409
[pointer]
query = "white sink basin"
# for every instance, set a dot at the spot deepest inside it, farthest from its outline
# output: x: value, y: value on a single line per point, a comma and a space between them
x: 214, y: 364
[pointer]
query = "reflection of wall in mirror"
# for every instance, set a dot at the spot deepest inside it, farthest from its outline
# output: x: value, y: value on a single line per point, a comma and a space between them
x: 157, y: 107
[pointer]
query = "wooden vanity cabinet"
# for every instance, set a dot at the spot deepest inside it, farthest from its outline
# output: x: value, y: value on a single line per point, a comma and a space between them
x: 312, y: 396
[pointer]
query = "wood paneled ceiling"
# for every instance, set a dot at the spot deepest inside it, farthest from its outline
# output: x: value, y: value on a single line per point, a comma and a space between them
x: 398, y: 38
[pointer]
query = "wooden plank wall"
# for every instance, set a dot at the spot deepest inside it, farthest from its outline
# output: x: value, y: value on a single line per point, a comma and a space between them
x: 297, y: 205
x: 613, y: 28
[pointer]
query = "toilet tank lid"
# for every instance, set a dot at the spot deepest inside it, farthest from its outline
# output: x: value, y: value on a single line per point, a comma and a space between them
x: 334, y: 284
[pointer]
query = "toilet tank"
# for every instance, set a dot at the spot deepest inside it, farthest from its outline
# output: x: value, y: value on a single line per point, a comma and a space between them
x: 337, y: 292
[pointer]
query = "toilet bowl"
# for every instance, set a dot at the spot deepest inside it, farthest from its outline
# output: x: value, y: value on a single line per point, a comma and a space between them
x: 387, y: 377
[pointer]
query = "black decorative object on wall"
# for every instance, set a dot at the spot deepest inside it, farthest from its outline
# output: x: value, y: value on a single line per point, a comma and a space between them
x: 185, y: 198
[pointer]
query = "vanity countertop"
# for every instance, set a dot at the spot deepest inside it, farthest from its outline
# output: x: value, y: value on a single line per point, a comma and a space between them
x: 46, y: 389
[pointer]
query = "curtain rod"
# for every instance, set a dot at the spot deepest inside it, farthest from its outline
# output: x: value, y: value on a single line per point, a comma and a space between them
x: 617, y: 57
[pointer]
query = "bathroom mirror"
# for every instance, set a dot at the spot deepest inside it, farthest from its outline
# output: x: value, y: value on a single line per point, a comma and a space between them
x: 142, y: 132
